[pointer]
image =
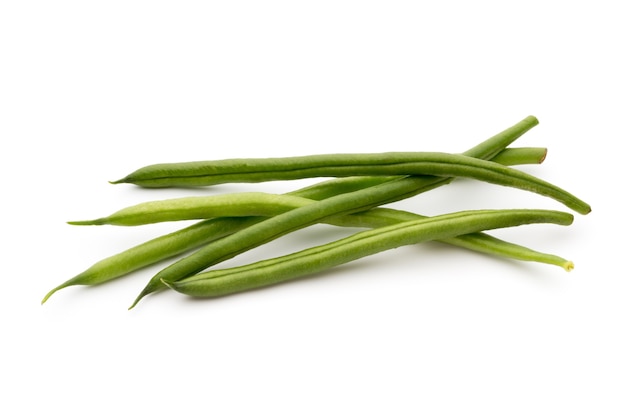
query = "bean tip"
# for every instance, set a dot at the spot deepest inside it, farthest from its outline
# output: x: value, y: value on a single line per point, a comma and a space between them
x: 142, y: 294
x: 87, y: 222
x: 48, y: 295
x: 532, y: 119
x: 568, y: 266
x: 135, y: 302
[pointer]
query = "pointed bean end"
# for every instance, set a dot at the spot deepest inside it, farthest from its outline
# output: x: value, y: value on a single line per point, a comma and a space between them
x: 95, y: 222
x: 135, y: 302
x: 50, y: 294
x: 120, y: 181
x: 142, y: 294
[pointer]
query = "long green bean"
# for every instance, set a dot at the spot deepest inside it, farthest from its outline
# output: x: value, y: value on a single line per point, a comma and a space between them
x: 337, y: 165
x: 200, y: 207
x: 201, y: 173
x: 268, y: 272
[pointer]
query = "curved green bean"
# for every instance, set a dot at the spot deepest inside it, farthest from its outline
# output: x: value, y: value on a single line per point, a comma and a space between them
x: 331, y: 165
x: 477, y: 242
x: 202, y: 173
x: 199, y: 207
x: 268, y: 272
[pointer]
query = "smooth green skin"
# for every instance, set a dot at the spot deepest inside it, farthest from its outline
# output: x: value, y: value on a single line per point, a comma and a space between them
x: 291, y: 168
x: 273, y: 271
x: 181, y: 241
x: 270, y: 229
x: 477, y: 242
x: 200, y: 207
x: 439, y: 164
x: 201, y: 173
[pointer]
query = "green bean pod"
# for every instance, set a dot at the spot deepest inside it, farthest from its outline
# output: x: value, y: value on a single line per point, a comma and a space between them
x: 200, y: 207
x: 477, y: 242
x: 330, y: 165
x: 202, y: 173
x: 273, y: 271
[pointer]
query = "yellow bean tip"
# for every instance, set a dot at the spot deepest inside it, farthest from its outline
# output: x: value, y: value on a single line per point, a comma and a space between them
x: 48, y: 295
x: 568, y: 266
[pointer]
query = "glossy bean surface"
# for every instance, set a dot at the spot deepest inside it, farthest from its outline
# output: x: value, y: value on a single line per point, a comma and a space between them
x: 202, y: 173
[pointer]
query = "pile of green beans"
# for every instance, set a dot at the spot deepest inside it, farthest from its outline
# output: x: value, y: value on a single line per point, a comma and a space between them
x: 230, y: 224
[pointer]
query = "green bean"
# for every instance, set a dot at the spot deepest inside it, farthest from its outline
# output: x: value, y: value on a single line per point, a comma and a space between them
x: 254, y: 204
x: 199, y: 207
x: 333, y: 165
x: 201, y: 173
x: 268, y: 272
x: 477, y: 242
x: 181, y: 241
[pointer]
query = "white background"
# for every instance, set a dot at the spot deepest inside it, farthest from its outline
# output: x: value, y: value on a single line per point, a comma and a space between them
x: 92, y: 90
